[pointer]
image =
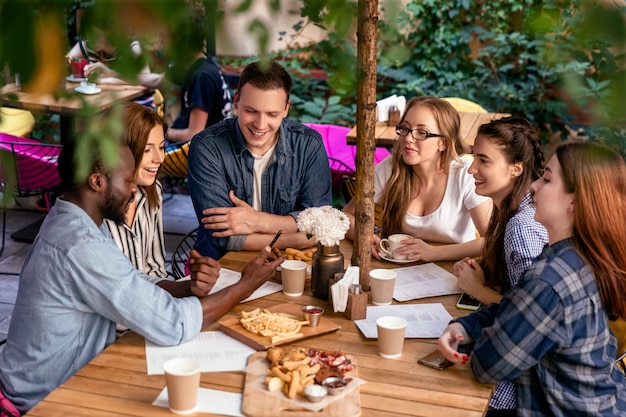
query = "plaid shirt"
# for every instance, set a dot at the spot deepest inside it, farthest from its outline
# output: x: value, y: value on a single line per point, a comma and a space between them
x: 524, y: 239
x: 551, y: 335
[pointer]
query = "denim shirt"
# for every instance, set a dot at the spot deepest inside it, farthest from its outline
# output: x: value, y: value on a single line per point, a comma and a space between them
x: 74, y: 286
x: 297, y: 177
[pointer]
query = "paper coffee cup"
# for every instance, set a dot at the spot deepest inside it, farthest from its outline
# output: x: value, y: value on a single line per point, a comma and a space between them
x: 293, y: 276
x: 382, y: 282
x: 182, y: 376
x: 391, y: 332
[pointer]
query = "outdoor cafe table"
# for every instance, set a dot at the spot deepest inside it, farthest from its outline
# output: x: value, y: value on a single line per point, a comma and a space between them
x: 385, y: 136
x: 68, y: 108
x: 115, y: 382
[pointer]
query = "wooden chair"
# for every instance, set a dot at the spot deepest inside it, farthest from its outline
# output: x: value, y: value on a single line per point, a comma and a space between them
x: 28, y: 168
x: 181, y: 254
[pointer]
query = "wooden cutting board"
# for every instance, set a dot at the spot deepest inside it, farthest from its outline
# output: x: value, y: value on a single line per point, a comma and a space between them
x: 233, y: 328
x: 257, y: 403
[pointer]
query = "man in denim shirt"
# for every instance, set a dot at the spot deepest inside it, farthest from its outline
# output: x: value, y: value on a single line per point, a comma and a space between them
x: 76, y: 284
x: 250, y: 176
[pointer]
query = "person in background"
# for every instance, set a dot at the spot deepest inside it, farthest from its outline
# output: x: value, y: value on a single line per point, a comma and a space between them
x: 205, y: 99
x: 508, y: 157
x: 250, y: 176
x: 140, y: 236
x: 550, y: 333
x: 102, y: 55
x: 76, y: 284
x: 425, y: 190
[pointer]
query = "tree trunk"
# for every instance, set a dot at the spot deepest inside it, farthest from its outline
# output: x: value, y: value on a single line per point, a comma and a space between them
x: 365, y: 144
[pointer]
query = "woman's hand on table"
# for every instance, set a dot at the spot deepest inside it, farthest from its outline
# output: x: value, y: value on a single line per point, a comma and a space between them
x: 449, y: 341
x: 204, y: 273
x: 470, y: 276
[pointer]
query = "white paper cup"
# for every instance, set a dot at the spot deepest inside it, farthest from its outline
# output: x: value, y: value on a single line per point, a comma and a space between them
x: 382, y: 282
x: 182, y: 376
x: 391, y: 332
x: 389, y: 245
x: 293, y: 276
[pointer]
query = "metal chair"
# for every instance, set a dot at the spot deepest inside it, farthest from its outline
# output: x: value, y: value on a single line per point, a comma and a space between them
x: 181, y: 254
x: 28, y: 168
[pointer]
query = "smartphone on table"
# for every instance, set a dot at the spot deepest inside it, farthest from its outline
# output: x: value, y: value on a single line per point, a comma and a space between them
x: 467, y: 302
x: 437, y: 361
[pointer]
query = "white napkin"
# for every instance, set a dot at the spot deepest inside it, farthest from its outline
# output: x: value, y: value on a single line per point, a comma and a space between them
x: 383, y: 105
x: 339, y: 290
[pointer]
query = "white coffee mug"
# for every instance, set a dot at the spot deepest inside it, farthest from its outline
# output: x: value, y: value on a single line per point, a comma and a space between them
x: 389, y: 245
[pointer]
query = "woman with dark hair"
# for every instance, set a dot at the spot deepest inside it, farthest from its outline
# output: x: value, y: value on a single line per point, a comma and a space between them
x: 424, y: 188
x: 550, y: 333
x: 507, y: 158
x: 141, y: 236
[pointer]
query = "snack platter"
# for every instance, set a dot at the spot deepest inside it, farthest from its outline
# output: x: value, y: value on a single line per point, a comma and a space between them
x: 232, y: 327
x: 258, y: 401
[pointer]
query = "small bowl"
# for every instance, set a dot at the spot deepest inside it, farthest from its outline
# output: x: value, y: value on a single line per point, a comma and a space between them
x: 334, y: 385
x: 312, y: 314
x: 315, y: 393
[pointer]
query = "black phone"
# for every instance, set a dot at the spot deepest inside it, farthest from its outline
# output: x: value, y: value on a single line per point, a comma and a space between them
x: 435, y: 360
x: 467, y: 302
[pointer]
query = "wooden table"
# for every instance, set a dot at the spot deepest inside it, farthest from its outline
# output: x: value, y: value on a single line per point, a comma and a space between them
x: 69, y: 107
x: 386, y: 135
x: 115, y: 382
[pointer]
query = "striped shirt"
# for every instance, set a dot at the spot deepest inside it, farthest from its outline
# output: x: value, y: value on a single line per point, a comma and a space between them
x: 143, y: 242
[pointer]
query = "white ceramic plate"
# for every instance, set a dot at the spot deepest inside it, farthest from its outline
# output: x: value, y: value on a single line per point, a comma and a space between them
x: 80, y: 89
x: 72, y: 79
x: 395, y: 261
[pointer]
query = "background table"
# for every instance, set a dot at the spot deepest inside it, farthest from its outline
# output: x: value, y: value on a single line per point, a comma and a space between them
x: 68, y: 108
x: 385, y: 136
x: 115, y: 382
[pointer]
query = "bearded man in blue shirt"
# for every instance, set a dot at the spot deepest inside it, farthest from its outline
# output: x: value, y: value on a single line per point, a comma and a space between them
x: 76, y: 285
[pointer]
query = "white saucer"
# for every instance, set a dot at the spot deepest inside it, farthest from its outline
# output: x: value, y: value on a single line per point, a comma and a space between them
x: 83, y: 91
x: 72, y: 79
x: 395, y: 261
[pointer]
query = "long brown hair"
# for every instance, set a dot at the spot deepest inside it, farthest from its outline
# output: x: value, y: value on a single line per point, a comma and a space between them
x: 403, y: 179
x: 597, y: 177
x: 139, y: 120
x: 518, y: 141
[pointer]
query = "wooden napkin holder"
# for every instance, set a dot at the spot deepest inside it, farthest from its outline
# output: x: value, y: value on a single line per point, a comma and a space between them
x: 356, y: 308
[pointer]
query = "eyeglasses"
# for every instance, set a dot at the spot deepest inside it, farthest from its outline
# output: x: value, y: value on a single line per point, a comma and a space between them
x: 417, y: 134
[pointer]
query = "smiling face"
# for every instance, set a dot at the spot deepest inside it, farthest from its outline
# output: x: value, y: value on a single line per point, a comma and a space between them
x: 153, y: 156
x: 493, y: 175
x: 416, y: 152
x: 260, y: 114
x: 554, y: 207
x: 120, y: 188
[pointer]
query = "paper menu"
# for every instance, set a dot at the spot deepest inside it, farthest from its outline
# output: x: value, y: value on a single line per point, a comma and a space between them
x: 421, y: 281
x: 228, y: 277
x: 216, y: 352
x: 424, y: 320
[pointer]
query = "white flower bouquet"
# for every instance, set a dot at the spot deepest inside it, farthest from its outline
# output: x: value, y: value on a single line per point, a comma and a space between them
x: 326, y: 223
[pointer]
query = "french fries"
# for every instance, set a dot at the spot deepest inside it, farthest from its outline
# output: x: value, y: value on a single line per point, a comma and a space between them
x: 295, y: 254
x: 277, y: 326
x: 288, y: 373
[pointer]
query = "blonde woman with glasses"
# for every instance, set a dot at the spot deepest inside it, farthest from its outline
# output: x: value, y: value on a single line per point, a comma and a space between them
x: 424, y: 188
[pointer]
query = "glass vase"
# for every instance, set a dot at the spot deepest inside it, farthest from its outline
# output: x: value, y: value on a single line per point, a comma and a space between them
x: 326, y: 261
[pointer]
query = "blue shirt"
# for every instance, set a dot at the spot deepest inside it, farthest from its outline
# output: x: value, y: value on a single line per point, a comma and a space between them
x: 297, y: 177
x: 551, y: 334
x: 74, y: 286
x: 524, y: 239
